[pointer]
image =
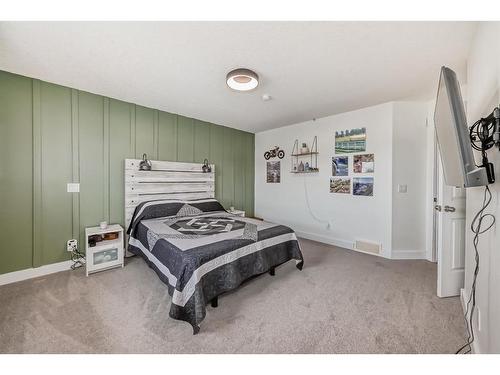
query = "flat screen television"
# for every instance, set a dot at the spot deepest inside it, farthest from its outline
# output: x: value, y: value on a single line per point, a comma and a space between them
x: 453, y: 137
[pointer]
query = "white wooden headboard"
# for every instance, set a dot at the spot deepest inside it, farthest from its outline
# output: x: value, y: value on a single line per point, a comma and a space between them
x: 166, y: 180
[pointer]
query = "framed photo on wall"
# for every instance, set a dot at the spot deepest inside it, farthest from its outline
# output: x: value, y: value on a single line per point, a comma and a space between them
x: 353, y: 140
x: 362, y: 186
x: 364, y: 163
x: 340, y: 166
x: 273, y: 172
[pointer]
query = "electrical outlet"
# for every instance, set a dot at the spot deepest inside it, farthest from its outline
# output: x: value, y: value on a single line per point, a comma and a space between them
x: 72, y: 245
x: 73, y: 187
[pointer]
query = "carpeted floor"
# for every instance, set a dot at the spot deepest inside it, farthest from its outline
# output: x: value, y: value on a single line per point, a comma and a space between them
x: 342, y: 302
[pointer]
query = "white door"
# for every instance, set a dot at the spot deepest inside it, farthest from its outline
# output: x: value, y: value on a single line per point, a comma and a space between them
x: 450, y: 237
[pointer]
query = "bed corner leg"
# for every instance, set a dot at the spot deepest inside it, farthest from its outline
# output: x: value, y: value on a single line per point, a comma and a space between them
x: 272, y: 271
x: 214, y: 302
x: 196, y: 330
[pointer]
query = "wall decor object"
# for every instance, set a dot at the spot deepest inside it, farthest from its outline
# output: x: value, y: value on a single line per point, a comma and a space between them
x: 340, y: 166
x: 273, y: 172
x: 311, y: 157
x: 364, y: 163
x: 206, y: 168
x: 362, y: 186
x: 340, y: 185
x: 145, y: 164
x: 273, y: 153
x: 304, y: 149
x: 347, y: 141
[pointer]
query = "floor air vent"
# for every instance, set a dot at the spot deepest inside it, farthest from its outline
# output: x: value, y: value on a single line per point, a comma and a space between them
x: 369, y: 247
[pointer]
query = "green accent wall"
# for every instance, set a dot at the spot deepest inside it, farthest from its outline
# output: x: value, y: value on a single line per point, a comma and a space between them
x: 52, y: 135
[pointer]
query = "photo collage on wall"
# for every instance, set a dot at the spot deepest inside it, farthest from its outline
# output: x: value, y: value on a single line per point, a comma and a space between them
x: 352, y: 141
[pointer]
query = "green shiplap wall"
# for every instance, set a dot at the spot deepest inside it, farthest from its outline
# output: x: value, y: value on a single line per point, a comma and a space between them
x: 52, y: 135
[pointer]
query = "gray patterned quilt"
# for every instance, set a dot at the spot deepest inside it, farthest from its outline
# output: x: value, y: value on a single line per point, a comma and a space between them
x: 200, y: 251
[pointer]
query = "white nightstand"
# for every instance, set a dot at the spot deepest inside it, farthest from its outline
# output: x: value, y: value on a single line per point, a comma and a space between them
x: 237, y: 212
x: 105, y: 254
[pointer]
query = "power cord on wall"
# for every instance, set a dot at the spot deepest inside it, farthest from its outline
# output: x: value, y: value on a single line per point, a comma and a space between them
x: 319, y: 220
x: 476, y: 227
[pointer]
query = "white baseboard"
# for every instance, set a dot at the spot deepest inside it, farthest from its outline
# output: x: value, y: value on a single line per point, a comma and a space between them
x: 30, y: 273
x: 325, y: 239
x: 408, y: 254
x: 345, y: 244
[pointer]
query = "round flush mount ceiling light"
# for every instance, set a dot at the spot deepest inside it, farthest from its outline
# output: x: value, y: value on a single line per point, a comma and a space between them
x: 242, y: 79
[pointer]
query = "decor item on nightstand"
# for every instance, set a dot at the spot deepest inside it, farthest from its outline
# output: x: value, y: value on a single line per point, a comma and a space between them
x: 206, y: 167
x: 233, y: 211
x: 273, y: 153
x: 103, y: 248
x: 145, y: 164
x: 310, y: 166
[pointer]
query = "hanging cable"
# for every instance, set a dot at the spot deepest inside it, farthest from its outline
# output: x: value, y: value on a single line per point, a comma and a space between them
x: 477, y: 228
x: 319, y: 220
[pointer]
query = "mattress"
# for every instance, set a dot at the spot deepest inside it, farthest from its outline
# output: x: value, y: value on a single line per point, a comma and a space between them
x: 200, y: 251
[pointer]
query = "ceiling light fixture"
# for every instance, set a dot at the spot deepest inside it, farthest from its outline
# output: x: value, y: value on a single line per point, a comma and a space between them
x: 242, y: 79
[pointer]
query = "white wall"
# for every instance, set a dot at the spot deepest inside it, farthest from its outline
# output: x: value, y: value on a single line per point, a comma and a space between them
x: 483, y: 94
x: 409, y: 153
x: 352, y: 217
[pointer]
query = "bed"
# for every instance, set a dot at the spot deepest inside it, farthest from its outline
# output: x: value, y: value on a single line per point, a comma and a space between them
x: 197, y: 248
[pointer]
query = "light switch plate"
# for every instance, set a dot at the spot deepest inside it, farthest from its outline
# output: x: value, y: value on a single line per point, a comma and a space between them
x: 73, y: 188
x: 402, y: 188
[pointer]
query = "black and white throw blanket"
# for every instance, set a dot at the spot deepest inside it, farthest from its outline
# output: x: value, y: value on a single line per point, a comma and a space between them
x: 201, y: 251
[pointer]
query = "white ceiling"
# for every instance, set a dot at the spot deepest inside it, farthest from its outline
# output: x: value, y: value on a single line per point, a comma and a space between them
x: 311, y: 69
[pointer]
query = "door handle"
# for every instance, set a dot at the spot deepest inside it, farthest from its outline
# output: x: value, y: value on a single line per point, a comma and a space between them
x: 437, y: 207
x: 449, y: 209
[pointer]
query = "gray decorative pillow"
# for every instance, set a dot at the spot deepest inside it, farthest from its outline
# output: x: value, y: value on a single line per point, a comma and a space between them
x: 188, y: 210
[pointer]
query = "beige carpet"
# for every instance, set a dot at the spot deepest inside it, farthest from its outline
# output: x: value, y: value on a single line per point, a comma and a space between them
x: 342, y: 302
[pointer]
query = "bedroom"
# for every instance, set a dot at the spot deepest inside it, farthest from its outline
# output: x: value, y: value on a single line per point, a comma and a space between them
x: 241, y: 187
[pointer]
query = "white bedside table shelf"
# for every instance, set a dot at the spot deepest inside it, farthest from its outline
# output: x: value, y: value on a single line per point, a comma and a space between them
x: 105, y: 254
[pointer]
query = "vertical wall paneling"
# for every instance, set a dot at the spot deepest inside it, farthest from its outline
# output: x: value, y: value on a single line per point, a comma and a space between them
x: 201, y: 141
x: 249, y: 173
x: 16, y: 208
x: 92, y: 161
x: 60, y: 135
x: 228, y: 166
x: 167, y: 136
x: 75, y: 136
x: 144, y: 132
x: 121, y: 146
x: 37, y: 174
x: 132, y: 127
x: 185, y: 139
x: 156, y: 134
x: 239, y: 170
x: 105, y: 155
x: 217, y: 157
x: 57, y: 204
